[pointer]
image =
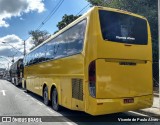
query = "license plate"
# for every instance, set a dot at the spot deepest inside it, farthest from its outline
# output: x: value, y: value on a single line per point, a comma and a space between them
x: 129, y: 100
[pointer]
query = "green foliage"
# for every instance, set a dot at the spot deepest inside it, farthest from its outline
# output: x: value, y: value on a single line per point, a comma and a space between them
x: 97, y: 2
x: 38, y: 36
x: 66, y: 19
x: 146, y: 8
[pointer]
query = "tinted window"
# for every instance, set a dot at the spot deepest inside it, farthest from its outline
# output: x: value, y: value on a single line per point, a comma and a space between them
x: 35, y: 56
x: 68, y: 43
x: 50, y: 50
x: 29, y: 59
x: 42, y: 53
x: 75, y: 37
x: 60, y: 49
x: 117, y: 27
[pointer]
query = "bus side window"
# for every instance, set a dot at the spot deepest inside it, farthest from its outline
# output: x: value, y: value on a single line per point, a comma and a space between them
x: 50, y: 50
x: 75, y: 38
x: 32, y: 58
x: 28, y: 60
x: 60, y: 47
x: 35, y: 56
x: 41, y: 54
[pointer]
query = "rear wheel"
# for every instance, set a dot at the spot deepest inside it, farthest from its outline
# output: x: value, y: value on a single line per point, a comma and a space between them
x: 55, y: 104
x: 24, y: 85
x: 14, y: 81
x: 45, y: 96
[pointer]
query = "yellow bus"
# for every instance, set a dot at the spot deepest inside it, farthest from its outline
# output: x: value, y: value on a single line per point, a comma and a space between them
x: 100, y: 64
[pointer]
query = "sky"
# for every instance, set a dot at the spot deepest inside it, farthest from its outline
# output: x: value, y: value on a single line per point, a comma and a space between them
x: 18, y: 17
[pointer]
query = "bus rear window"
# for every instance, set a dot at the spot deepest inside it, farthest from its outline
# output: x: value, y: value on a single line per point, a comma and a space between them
x: 123, y: 28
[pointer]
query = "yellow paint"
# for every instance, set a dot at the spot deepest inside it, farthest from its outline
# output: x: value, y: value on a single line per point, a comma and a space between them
x: 113, y: 81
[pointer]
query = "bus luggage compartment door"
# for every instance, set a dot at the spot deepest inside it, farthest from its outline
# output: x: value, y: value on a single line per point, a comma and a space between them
x: 123, y: 78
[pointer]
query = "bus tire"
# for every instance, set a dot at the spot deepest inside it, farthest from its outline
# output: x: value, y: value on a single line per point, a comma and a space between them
x: 54, y: 99
x: 24, y: 85
x: 45, y: 96
x: 14, y: 81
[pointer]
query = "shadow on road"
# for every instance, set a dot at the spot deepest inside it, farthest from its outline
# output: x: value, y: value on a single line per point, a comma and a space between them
x: 78, y: 117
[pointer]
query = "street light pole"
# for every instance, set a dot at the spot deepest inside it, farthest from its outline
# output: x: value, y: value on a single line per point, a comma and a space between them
x: 24, y: 47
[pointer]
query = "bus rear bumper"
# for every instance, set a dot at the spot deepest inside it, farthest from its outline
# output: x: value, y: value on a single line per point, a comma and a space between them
x: 109, y: 106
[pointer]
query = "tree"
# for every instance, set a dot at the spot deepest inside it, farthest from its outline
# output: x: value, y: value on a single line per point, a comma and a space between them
x: 38, y: 36
x: 99, y: 2
x: 66, y: 19
x: 147, y: 8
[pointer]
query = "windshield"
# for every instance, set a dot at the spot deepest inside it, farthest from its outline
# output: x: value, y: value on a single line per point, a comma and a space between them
x: 123, y: 28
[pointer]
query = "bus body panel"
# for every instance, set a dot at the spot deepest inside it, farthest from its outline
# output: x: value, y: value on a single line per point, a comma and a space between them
x: 115, y: 82
x: 108, y: 106
x: 60, y: 74
x: 125, y: 70
x: 123, y: 78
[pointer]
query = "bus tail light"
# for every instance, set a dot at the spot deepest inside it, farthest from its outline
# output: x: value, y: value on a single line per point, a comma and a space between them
x: 92, y: 79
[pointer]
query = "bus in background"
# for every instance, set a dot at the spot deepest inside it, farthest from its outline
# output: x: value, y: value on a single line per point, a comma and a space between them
x: 16, y: 72
x: 100, y: 64
x: 6, y: 75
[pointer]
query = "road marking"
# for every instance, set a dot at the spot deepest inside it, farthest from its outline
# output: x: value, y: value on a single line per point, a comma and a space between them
x: 36, y: 101
x: 138, y: 113
x: 3, y: 92
x: 57, y: 114
x: 33, y: 99
x: 69, y: 123
x: 39, y: 103
x: 51, y: 110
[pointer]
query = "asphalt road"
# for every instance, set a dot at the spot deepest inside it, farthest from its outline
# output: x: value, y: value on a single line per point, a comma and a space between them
x: 16, y: 102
